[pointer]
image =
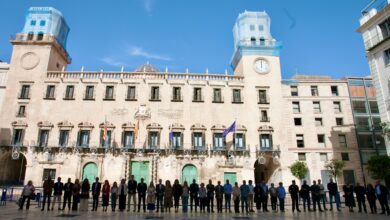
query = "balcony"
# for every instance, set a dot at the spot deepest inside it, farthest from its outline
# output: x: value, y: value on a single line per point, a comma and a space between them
x: 264, y: 100
x: 265, y: 119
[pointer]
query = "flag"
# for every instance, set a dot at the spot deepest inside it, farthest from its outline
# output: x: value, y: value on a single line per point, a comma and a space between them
x: 105, y: 131
x: 231, y: 128
x: 136, y: 131
x: 170, y: 134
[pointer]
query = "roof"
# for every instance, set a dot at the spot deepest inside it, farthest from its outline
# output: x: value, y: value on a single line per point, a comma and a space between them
x: 147, y: 68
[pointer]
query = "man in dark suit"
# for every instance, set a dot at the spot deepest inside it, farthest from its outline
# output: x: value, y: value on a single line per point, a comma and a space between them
x: 131, y: 192
x: 67, y: 193
x: 47, y: 191
x: 382, y: 193
x: 361, y: 197
x: 194, y: 190
x: 141, y: 189
x: 96, y: 187
x: 333, y: 195
x: 58, y: 187
x: 293, y: 189
x: 160, y: 190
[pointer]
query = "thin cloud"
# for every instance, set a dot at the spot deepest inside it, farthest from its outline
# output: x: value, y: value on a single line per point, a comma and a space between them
x: 148, y: 5
x: 140, y: 52
x: 113, y: 62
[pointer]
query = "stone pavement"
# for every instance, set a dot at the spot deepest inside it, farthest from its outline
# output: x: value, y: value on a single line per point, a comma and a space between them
x: 11, y: 212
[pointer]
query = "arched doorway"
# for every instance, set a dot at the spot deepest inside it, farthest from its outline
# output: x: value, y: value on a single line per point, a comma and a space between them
x: 12, y: 171
x: 260, y: 173
x: 189, y: 173
x: 90, y: 171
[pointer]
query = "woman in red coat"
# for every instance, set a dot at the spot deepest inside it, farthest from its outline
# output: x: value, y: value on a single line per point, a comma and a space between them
x: 105, y: 195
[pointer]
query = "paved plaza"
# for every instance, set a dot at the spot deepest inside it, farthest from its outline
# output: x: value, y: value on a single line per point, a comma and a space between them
x: 11, y: 212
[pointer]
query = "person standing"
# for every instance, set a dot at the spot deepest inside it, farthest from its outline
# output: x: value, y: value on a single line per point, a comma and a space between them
x: 371, y: 197
x: 67, y: 193
x: 360, y: 192
x: 131, y: 193
x: 274, y: 197
x: 47, y: 191
x: 114, y: 196
x: 177, y: 191
x: 236, y: 197
x: 185, y: 195
x: 141, y: 189
x: 168, y: 203
x: 160, y: 190
x: 293, y: 189
x: 349, y: 198
x: 244, y: 190
x: 151, y: 197
x: 76, y: 187
x: 315, y: 195
x: 202, y: 197
x: 257, y: 198
x: 333, y: 195
x: 58, y: 187
x: 210, y: 196
x: 105, y: 195
x: 27, y: 193
x: 122, y: 195
x: 322, y: 194
x: 281, y: 196
x: 382, y: 193
x: 219, y: 191
x: 264, y: 196
x: 194, y: 190
x: 85, y: 187
x: 96, y: 188
x: 251, y: 195
x: 228, y: 190
x: 305, y: 195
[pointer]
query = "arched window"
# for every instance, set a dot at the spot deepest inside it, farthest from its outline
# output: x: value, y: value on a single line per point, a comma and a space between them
x: 253, y: 40
x: 40, y: 36
x: 262, y: 41
x: 30, y: 35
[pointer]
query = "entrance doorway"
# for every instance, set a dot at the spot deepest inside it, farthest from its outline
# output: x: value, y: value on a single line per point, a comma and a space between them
x: 90, y: 171
x: 140, y: 170
x: 12, y: 171
x: 260, y: 173
x: 189, y: 173
x: 231, y: 176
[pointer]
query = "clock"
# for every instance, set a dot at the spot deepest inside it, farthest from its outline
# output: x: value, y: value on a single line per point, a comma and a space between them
x: 261, y: 66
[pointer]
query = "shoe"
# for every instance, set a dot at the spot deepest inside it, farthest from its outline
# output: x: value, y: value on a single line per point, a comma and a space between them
x: 299, y: 210
x: 339, y: 209
x: 44, y: 209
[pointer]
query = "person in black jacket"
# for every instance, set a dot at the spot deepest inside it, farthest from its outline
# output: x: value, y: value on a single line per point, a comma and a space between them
x: 210, y: 196
x: 67, y: 193
x: 57, y: 194
x: 360, y: 192
x: 315, y: 196
x: 194, y: 190
x: 96, y: 188
x: 257, y: 196
x: 219, y: 191
x: 160, y: 190
x: 333, y: 195
x: 382, y: 193
x: 264, y: 196
x: 141, y: 189
x: 131, y: 192
x: 293, y: 189
x: 371, y: 197
x: 305, y: 195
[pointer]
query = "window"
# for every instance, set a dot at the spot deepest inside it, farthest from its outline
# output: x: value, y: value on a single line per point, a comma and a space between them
x: 298, y: 121
x: 335, y: 91
x: 89, y: 93
x: 109, y: 93
x: 217, y: 96
x: 365, y: 141
x: 385, y: 28
x: 337, y: 107
x: 153, y: 139
x: 30, y: 35
x: 237, y: 96
x: 239, y: 141
x: 47, y: 173
x: 387, y: 56
x: 265, y: 141
x: 21, y: 111
x: 374, y: 107
x: 50, y: 92
x: 128, y: 139
x: 376, y: 123
x: 261, y: 27
x: 64, y: 138
x: 43, y: 138
x: 294, y: 90
x: 349, y: 176
x: 321, y: 140
x: 33, y: 22
x: 296, y: 107
x: 363, y: 123
x: 176, y: 94
x: 155, y: 93
x: 318, y: 122
x: 300, y: 141
x: 17, y: 139
x: 314, y: 90
x: 264, y: 116
x: 218, y: 141
x: 197, y: 95
x: 323, y: 157
x: 252, y: 27
x: 83, y: 138
x: 69, y: 92
x: 25, y: 92
x: 198, y: 140
x: 345, y: 156
x: 316, y: 107
x: 339, y: 121
x: 42, y: 23
x: 105, y: 141
x: 342, y: 140
x: 301, y: 156
x: 176, y: 140
x: 263, y: 98
x: 130, y: 93
x: 359, y: 107
x: 40, y: 36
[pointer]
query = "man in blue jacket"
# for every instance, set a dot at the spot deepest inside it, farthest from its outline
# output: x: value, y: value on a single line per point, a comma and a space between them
x: 228, y: 189
x: 244, y: 189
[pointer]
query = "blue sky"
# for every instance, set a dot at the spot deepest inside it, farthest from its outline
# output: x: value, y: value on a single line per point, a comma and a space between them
x: 318, y: 36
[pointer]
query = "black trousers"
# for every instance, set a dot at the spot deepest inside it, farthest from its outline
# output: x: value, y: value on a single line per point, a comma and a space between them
x: 160, y: 203
x: 274, y: 201
x: 228, y: 198
x: 48, y: 197
x: 219, y: 204
x: 306, y: 203
x: 141, y: 198
x: 210, y: 203
x: 75, y: 202
x: 95, y: 202
x: 316, y: 201
x: 264, y: 201
x: 23, y: 200
x: 244, y: 204
x: 67, y: 199
x: 203, y: 203
x: 361, y: 202
x: 194, y: 199
x: 372, y: 203
x: 384, y: 204
x: 295, y: 203
x: 237, y: 205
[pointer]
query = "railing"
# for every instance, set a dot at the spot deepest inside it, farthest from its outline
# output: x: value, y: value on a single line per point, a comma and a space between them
x: 259, y: 43
x: 377, y: 5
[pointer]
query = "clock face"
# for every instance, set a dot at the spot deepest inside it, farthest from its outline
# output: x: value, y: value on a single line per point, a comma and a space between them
x: 262, y: 66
